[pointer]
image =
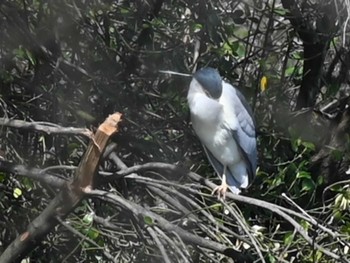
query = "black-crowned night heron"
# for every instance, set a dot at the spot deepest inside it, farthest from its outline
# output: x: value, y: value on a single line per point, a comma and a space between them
x: 224, y: 123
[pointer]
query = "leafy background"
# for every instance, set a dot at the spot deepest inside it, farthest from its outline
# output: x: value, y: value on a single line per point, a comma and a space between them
x: 72, y: 63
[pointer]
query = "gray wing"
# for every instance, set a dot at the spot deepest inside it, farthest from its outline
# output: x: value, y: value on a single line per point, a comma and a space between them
x: 245, y: 134
x: 240, y: 122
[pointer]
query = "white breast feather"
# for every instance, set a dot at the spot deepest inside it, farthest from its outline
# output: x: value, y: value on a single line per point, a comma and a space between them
x: 207, y: 120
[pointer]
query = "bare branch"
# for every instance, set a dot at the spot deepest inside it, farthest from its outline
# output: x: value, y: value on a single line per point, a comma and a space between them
x: 173, y: 244
x: 141, y: 212
x: 34, y: 173
x: 45, y: 127
x: 266, y: 205
x: 153, y: 234
x: 86, y: 238
x: 246, y: 230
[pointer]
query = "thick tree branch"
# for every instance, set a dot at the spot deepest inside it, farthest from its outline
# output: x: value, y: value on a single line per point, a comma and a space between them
x: 68, y: 198
x: 315, y: 43
x: 34, y: 173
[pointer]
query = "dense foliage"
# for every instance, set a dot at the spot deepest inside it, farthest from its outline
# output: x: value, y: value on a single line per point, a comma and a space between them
x: 72, y: 63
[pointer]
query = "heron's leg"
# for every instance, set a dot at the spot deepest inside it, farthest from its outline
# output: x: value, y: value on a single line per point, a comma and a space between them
x: 221, y: 189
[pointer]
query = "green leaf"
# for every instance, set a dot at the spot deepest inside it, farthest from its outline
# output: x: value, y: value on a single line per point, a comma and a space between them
x: 319, y: 255
x: 88, y: 219
x: 227, y: 49
x: 272, y: 259
x: 2, y: 177
x: 297, y: 55
x: 146, y: 25
x: 197, y: 27
x: 307, y: 185
x: 337, y: 155
x: 124, y: 10
x: 241, y: 32
x: 240, y: 51
x: 345, y: 229
x: 6, y: 77
x: 19, y: 52
x: 93, y: 233
x: 320, y: 180
x: 86, y: 116
x: 308, y: 145
x: 30, y: 57
x: 280, y: 11
x: 148, y: 138
x: 289, y: 71
x: 216, y: 207
x: 337, y: 215
x: 288, y: 238
x: 72, y: 146
x: 277, y: 181
x: 28, y: 183
x: 303, y: 174
x: 295, y: 143
x: 306, y: 225
x: 337, y: 188
x: 148, y: 220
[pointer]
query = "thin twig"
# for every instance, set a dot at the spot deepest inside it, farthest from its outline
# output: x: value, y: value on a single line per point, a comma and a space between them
x: 266, y: 205
x: 172, y: 243
x: 142, y: 212
x: 85, y: 238
x: 198, y: 208
x: 245, y: 229
x: 153, y: 234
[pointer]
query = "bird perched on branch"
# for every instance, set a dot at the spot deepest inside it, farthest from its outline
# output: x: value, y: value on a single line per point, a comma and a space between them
x: 224, y: 123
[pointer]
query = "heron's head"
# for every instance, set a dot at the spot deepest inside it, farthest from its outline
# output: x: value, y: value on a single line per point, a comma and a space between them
x: 211, y: 82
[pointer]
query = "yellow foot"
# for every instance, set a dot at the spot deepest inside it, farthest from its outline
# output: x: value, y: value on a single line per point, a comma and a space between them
x: 220, y: 190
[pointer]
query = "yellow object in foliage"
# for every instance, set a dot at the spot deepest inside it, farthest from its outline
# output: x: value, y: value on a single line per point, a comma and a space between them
x: 263, y: 83
x: 17, y: 192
